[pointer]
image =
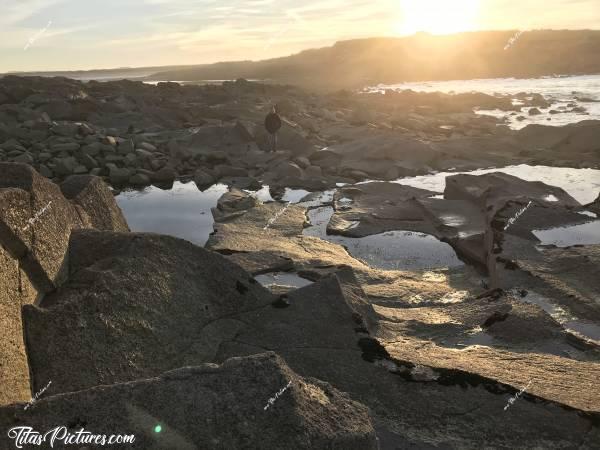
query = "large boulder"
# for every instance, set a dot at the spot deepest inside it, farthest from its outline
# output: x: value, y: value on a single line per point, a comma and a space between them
x: 93, y: 196
x: 167, y: 174
x: 494, y: 190
x: 36, y: 221
x: 203, y: 179
x: 568, y: 140
x: 287, y: 170
x: 252, y: 402
x: 228, y: 139
x: 233, y: 203
x: 15, y: 290
x: 118, y: 176
x: 159, y: 293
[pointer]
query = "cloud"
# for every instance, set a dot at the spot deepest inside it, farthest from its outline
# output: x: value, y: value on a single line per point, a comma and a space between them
x: 16, y: 11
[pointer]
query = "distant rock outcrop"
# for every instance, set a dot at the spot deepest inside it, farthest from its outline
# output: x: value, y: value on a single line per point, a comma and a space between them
x: 463, y: 56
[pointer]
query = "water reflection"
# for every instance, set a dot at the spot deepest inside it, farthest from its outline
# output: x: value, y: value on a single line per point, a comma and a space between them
x: 282, y: 279
x: 568, y: 321
x: 583, y: 234
x: 392, y: 250
x: 183, y: 211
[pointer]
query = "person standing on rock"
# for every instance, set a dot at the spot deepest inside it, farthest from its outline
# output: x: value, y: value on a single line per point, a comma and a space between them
x: 273, y: 124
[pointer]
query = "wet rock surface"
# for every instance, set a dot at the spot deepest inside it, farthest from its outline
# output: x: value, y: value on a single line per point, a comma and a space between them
x: 433, y: 337
x: 459, y: 218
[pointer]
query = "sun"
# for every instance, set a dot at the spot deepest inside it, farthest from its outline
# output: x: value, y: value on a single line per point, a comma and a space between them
x: 437, y: 16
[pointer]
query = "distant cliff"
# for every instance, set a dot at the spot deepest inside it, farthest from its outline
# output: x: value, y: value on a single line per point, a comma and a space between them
x: 420, y: 57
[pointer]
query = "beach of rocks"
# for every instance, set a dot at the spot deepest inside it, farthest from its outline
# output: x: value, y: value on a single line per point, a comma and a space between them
x: 309, y: 305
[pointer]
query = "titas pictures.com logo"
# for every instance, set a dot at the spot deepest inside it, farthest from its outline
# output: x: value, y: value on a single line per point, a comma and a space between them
x: 61, y: 435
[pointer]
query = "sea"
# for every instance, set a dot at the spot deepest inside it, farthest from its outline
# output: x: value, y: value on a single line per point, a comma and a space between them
x: 562, y: 91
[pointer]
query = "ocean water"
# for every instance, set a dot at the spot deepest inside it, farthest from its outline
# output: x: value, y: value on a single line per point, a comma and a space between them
x: 583, y: 91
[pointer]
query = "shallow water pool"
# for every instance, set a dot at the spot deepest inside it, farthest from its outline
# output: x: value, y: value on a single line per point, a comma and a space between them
x: 182, y: 211
x: 392, y: 250
x: 583, y: 234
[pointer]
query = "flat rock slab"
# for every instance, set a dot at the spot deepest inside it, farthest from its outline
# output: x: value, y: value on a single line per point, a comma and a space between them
x: 569, y: 275
x: 548, y: 373
x: 337, y: 348
x: 258, y: 263
x: 209, y: 406
x: 378, y: 207
x: 495, y: 189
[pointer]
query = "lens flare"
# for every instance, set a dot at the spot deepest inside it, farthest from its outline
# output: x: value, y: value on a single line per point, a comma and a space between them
x: 438, y: 16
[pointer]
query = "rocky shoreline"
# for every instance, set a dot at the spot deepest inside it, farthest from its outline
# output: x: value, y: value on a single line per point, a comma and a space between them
x: 133, y: 134
x: 150, y: 335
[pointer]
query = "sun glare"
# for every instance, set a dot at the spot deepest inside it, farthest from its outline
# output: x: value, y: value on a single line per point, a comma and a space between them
x: 437, y: 16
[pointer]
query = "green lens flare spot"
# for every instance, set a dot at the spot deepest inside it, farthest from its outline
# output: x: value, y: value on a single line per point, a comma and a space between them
x: 157, y: 429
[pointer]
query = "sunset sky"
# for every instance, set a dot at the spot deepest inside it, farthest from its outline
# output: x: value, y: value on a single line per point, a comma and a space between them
x: 86, y: 34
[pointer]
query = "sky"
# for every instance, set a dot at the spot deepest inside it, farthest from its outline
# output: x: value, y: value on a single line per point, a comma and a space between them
x: 92, y: 34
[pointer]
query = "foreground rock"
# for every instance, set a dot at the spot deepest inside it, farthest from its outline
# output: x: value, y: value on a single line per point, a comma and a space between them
x: 210, y: 406
x: 16, y: 289
x: 152, y: 311
x: 90, y: 194
x: 434, y: 359
x: 426, y: 314
x: 36, y: 222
